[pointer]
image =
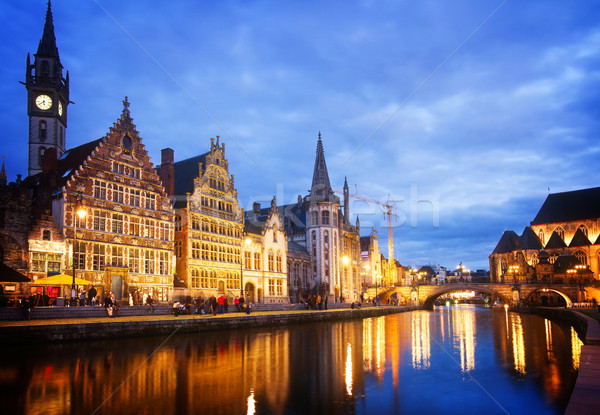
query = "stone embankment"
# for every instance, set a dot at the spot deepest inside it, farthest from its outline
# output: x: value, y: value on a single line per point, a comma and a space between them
x: 584, y: 399
x: 95, y: 328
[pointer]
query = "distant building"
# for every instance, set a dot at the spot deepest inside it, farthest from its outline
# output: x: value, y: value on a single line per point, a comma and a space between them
x: 562, y: 243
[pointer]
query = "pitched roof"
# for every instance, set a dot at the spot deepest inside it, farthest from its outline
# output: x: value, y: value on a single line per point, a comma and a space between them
x: 295, y: 247
x: 529, y: 240
x: 555, y: 241
x: 185, y: 173
x: 507, y: 243
x: 565, y: 262
x: 365, y: 243
x: 321, y: 187
x: 579, y: 239
x: 569, y: 206
x: 73, y: 158
x: 47, y: 46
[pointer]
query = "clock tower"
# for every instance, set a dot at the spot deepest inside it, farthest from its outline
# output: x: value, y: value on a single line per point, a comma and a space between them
x: 47, y: 99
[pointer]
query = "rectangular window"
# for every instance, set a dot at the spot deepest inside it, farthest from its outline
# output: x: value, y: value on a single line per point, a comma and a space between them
x: 248, y: 260
x: 99, y: 220
x: 150, y: 201
x: 117, y: 223
x: 149, y: 262
x: 257, y: 261
x: 164, y: 231
x: 134, y: 226
x: 80, y: 255
x: 54, y: 263
x: 271, y: 286
x: 118, y: 193
x: 149, y: 229
x: 38, y: 262
x: 134, y: 259
x: 99, y: 257
x: 314, y: 218
x: 163, y: 263
x: 271, y: 259
x: 117, y: 256
x: 279, y: 287
x: 178, y: 249
x: 99, y: 189
x: 134, y: 197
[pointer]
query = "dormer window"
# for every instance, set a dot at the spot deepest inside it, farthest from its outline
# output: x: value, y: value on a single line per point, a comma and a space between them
x: 46, y: 235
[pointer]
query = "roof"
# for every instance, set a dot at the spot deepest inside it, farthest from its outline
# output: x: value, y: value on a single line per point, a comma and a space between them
x: 570, y: 206
x: 7, y: 274
x: 555, y: 241
x: 321, y: 187
x: 47, y: 46
x: 365, y: 243
x: 185, y: 172
x: 295, y: 247
x: 565, y: 262
x: 529, y: 240
x: 73, y: 158
x: 507, y: 243
x: 579, y: 239
x: 255, y: 227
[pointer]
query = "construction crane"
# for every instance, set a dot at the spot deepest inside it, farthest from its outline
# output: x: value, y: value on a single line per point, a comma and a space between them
x: 389, y: 213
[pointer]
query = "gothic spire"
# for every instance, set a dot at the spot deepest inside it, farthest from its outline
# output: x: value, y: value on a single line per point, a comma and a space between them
x: 321, y: 188
x: 47, y: 46
x: 3, y: 174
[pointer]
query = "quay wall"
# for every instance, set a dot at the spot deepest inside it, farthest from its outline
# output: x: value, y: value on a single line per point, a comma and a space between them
x: 168, y: 326
x: 587, y: 387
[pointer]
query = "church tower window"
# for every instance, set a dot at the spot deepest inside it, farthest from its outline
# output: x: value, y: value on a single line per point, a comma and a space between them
x: 561, y: 232
x: 325, y: 217
x: 583, y: 229
x: 43, y: 130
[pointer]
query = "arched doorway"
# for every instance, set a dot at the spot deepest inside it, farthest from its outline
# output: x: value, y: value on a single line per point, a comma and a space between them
x: 249, y: 291
x: 221, y: 287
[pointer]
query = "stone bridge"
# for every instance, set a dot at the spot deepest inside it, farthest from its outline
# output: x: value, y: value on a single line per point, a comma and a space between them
x: 509, y: 294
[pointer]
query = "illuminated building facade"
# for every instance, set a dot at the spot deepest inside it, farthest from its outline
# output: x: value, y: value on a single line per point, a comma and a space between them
x: 561, y: 243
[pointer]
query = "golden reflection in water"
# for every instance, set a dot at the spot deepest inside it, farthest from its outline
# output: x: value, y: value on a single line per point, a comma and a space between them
x: 548, y: 330
x: 576, y: 347
x: 421, y: 346
x: 518, y: 343
x: 464, y: 335
x: 251, y: 403
x: 380, y: 347
x: 367, y: 345
x: 349, y: 369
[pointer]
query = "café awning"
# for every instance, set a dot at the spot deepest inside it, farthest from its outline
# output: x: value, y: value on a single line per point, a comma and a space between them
x: 61, y: 279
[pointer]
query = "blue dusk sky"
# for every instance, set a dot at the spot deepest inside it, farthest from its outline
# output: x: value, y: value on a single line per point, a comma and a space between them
x: 466, y: 114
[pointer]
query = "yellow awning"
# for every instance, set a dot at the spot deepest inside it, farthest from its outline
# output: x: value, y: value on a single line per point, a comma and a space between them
x: 60, y: 279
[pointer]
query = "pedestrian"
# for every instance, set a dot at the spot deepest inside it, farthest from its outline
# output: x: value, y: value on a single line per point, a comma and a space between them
x: 108, y: 304
x: 319, y: 304
x: 150, y: 303
x: 130, y: 300
x: 145, y: 298
x: 26, y: 308
x: 221, y: 302
x: 92, y: 296
x: 326, y: 302
x: 226, y: 304
x: 213, y: 305
x: 136, y: 298
x: 241, y: 303
x: 236, y: 303
x: 81, y: 297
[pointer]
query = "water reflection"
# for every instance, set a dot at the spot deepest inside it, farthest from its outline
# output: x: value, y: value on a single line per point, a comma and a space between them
x: 383, y: 365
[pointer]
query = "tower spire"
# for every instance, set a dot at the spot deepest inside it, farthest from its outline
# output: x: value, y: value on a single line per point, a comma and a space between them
x: 3, y: 174
x: 47, y: 46
x: 321, y: 187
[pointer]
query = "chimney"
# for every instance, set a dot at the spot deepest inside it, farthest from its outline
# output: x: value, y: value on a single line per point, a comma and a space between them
x: 50, y: 161
x: 256, y: 210
x: 167, y: 170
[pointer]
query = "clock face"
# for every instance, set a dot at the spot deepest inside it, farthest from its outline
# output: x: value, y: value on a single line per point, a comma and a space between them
x: 59, y: 108
x: 43, y: 102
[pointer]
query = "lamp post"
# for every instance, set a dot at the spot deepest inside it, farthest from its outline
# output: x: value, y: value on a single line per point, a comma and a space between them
x: 81, y: 213
x: 345, y: 261
x: 376, y: 282
x: 247, y: 242
x: 514, y: 270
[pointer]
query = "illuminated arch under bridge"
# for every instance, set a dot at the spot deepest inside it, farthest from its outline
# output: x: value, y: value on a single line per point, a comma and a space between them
x: 507, y: 293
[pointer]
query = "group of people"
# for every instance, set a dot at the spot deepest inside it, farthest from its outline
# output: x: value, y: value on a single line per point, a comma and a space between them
x: 212, y: 306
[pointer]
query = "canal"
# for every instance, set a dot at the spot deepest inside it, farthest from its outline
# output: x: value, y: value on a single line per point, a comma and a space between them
x: 461, y: 359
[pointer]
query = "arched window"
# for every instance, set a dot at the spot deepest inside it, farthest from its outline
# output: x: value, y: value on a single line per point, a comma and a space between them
x: 325, y: 217
x: 534, y: 259
x: 45, y: 68
x: 274, y: 233
x: 279, y: 263
x: 583, y: 229
x: 42, y: 130
x: 581, y: 257
x: 314, y: 217
x: 553, y: 257
x: 561, y: 232
x: 542, y: 236
x: 41, y: 152
x: 46, y: 235
x: 503, y: 266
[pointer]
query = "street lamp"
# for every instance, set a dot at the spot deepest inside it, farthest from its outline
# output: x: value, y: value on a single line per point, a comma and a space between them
x: 345, y: 261
x: 246, y: 241
x: 376, y: 282
x: 514, y: 270
x: 81, y: 213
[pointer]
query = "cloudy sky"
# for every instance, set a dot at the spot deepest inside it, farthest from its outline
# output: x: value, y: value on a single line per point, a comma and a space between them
x: 464, y: 113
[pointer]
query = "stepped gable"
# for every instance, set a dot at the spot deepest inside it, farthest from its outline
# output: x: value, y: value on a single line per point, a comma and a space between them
x: 569, y: 206
x: 579, y: 239
x: 529, y: 240
x: 507, y: 243
x: 555, y: 242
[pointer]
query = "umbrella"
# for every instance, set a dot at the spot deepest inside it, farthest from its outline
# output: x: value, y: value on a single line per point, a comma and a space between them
x: 61, y: 279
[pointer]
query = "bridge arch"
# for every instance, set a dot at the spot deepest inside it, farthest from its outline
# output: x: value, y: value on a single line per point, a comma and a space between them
x: 445, y: 289
x: 567, y: 299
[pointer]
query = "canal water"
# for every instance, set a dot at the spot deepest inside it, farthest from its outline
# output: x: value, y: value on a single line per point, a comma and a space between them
x: 460, y: 359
